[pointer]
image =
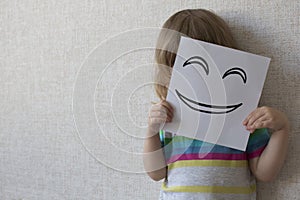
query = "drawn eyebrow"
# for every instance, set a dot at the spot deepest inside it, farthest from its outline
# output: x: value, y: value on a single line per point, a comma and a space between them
x: 197, y: 60
x: 238, y: 71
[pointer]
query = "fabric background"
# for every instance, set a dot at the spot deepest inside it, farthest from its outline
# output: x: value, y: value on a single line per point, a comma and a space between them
x: 50, y: 147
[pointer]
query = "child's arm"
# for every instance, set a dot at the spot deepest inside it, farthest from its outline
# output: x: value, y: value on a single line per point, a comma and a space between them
x: 154, y: 161
x: 268, y: 164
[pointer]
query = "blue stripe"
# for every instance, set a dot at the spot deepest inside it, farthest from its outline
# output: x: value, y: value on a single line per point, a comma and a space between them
x: 206, y: 149
x: 183, y: 145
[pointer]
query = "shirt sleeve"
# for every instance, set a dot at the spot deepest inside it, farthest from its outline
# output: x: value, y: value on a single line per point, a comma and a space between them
x: 162, y: 138
x: 257, y: 143
x: 166, y: 143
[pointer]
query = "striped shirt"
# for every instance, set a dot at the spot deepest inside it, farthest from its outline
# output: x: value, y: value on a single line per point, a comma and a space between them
x: 201, y: 170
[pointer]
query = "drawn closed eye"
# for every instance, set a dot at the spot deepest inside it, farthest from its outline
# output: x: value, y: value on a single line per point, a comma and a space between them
x: 237, y: 71
x: 197, y: 60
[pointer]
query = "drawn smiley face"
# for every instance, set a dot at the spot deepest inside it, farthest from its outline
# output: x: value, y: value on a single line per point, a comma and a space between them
x: 212, y: 89
x: 209, y: 108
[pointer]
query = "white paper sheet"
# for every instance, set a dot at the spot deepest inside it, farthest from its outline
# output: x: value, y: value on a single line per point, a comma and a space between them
x: 212, y: 90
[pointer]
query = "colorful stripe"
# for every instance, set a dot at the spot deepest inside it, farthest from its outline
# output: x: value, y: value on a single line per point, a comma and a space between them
x: 207, y: 156
x: 256, y: 153
x: 197, y: 168
x: 208, y: 163
x: 257, y: 140
x: 203, y: 149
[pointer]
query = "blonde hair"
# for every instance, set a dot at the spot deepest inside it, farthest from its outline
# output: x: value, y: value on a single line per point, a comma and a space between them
x: 198, y: 24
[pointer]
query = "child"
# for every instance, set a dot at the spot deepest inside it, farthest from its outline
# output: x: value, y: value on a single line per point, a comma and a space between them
x: 223, y: 173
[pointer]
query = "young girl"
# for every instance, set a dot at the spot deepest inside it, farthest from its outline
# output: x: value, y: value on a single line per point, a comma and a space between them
x: 223, y: 173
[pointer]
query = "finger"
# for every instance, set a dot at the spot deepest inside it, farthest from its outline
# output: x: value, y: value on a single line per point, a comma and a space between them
x: 163, y: 107
x: 168, y: 106
x: 257, y: 121
x: 264, y: 124
x: 245, y: 122
x: 165, y: 116
x: 165, y: 104
x: 159, y: 108
x: 157, y: 120
x: 161, y: 114
x: 262, y: 109
x: 162, y: 111
x: 162, y: 119
x: 267, y: 123
x: 169, y: 116
x: 158, y: 113
x: 258, y: 125
x: 255, y: 116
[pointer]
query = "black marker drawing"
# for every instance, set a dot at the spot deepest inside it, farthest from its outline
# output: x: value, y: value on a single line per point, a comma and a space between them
x: 238, y: 71
x: 206, y: 108
x: 197, y: 60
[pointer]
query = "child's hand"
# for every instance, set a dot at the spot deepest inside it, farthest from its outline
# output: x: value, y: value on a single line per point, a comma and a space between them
x: 159, y: 113
x: 266, y: 117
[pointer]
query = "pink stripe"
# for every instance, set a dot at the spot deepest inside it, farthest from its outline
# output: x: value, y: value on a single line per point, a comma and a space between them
x: 256, y: 153
x: 208, y: 156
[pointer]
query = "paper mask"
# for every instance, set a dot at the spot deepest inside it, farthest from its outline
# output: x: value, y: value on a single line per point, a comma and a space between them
x: 213, y: 89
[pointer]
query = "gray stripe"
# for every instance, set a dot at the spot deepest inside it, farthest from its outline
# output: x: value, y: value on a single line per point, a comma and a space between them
x: 204, y: 196
x: 221, y: 176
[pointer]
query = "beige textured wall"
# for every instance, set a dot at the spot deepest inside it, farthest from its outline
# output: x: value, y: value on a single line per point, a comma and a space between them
x: 75, y: 79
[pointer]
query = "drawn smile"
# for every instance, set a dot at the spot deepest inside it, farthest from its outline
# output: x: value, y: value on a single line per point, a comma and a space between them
x: 206, y: 108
